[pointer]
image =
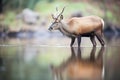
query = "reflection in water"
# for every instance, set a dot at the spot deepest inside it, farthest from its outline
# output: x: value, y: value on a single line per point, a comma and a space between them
x: 30, y: 62
x: 78, y: 68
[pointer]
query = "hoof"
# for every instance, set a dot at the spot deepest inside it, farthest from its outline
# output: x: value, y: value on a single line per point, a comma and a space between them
x: 94, y: 45
x: 71, y: 45
x: 103, y: 44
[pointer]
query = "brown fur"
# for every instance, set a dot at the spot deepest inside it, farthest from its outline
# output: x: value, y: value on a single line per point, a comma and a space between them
x: 85, y: 24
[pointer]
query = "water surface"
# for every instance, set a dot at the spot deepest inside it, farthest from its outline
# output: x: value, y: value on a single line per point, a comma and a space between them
x: 36, y: 59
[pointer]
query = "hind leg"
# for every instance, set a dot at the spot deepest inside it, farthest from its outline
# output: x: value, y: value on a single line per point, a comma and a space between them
x: 92, y: 38
x: 99, y: 37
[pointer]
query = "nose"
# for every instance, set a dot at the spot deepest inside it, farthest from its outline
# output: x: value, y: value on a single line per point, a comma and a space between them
x: 50, y: 28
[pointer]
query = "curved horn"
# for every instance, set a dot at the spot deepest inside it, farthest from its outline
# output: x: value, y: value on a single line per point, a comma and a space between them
x: 61, y: 12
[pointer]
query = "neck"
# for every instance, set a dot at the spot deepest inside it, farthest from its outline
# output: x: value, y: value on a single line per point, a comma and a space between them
x: 64, y: 28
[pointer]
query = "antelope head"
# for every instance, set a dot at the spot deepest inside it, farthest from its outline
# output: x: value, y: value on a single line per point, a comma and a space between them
x: 57, y: 21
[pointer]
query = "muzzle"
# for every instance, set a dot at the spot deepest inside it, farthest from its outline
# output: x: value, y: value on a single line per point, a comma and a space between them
x: 50, y: 28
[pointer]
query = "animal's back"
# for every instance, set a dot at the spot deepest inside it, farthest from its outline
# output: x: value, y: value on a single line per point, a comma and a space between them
x: 85, y: 24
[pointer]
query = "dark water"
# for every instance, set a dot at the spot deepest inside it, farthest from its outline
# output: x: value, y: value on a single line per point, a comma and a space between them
x: 29, y: 59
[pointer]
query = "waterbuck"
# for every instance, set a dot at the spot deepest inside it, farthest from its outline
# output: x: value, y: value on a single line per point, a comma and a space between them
x: 89, y: 26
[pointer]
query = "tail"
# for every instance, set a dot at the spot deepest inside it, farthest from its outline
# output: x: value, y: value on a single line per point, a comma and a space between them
x: 102, y: 21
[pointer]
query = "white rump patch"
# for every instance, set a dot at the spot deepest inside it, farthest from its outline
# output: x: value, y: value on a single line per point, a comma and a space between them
x: 102, y: 23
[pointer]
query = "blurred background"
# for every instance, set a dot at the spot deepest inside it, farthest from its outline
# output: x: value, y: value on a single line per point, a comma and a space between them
x: 23, y: 19
x: 28, y: 51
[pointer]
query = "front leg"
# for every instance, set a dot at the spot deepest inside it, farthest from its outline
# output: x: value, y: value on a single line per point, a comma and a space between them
x: 72, y: 41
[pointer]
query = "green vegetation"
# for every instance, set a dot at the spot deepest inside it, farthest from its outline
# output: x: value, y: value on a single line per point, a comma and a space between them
x: 85, y: 8
x: 46, y: 7
x: 10, y: 18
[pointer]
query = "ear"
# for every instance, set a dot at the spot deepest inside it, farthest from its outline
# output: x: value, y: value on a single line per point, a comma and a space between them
x: 52, y: 16
x: 61, y: 17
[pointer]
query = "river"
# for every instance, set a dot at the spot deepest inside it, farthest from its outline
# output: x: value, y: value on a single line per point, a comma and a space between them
x: 52, y: 58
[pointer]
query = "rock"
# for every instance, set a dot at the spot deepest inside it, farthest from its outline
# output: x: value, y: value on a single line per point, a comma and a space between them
x: 28, y: 16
